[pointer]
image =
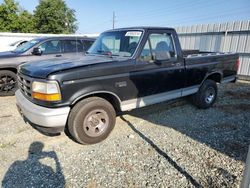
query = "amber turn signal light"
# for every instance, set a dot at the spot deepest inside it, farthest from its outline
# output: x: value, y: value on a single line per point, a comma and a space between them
x: 46, y: 97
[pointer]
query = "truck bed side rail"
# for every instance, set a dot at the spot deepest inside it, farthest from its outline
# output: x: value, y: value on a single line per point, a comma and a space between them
x: 209, y: 54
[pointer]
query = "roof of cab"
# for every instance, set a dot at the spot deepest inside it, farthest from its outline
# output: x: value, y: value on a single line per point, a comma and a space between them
x: 142, y: 28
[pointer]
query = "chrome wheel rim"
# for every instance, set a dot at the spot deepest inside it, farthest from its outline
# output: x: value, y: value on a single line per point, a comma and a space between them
x: 96, y: 123
x: 210, y: 95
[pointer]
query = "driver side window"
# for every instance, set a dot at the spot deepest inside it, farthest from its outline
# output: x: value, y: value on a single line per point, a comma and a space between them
x: 160, y: 45
x: 146, y: 54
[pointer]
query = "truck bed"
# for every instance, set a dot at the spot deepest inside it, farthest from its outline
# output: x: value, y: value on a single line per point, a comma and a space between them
x: 198, y: 53
x: 201, y: 64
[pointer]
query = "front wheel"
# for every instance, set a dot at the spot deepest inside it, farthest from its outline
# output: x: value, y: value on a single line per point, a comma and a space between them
x: 91, y: 120
x: 206, y: 95
x: 8, y: 83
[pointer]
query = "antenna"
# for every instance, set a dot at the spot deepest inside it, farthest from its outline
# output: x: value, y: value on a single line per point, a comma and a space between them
x: 113, y: 19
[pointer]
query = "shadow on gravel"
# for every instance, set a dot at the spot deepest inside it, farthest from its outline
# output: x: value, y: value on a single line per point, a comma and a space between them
x: 225, y: 127
x: 163, y: 154
x: 32, y: 173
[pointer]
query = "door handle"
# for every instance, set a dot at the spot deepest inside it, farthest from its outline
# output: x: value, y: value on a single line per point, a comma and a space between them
x: 58, y: 55
x: 176, y: 64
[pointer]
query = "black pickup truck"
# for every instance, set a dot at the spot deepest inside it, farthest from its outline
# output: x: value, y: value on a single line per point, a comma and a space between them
x: 124, y: 69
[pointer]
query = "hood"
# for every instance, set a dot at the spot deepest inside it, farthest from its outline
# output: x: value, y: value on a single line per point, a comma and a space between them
x: 41, y: 69
x: 8, y: 54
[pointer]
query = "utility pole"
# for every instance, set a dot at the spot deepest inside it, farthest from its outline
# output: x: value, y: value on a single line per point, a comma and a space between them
x: 113, y: 20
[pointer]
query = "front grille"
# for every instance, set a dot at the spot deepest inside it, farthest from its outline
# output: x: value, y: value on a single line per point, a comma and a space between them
x: 24, y: 83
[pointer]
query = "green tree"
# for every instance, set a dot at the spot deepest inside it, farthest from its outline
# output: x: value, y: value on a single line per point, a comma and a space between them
x: 53, y: 16
x: 9, y: 16
x: 14, y: 19
x: 26, y: 22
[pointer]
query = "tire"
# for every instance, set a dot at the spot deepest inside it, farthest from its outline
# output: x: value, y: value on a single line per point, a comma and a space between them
x: 91, y: 120
x: 8, y: 83
x: 206, y: 96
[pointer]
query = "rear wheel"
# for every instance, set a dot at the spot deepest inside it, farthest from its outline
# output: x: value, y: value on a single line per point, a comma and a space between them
x: 91, y: 120
x: 206, y: 95
x: 8, y: 83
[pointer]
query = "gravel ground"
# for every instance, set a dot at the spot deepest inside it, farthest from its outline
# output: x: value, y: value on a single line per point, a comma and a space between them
x: 167, y: 145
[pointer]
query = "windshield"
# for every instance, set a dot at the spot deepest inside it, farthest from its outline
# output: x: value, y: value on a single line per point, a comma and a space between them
x: 116, y: 43
x: 26, y: 46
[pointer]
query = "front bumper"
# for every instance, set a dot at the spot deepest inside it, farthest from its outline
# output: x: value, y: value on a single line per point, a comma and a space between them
x: 47, y: 120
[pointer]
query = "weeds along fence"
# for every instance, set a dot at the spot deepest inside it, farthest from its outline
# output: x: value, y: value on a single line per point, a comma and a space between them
x: 223, y: 37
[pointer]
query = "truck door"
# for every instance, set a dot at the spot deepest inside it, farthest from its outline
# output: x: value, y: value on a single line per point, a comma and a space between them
x: 158, y: 70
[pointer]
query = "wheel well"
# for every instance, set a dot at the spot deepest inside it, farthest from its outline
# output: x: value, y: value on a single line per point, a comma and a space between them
x: 9, y: 69
x: 114, y: 101
x: 215, y: 77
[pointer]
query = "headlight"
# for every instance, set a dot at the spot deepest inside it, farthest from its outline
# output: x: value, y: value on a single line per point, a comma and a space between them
x: 46, y: 91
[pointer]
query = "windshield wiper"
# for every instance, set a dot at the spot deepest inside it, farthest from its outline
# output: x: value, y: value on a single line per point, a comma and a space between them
x: 107, y: 53
x: 104, y: 52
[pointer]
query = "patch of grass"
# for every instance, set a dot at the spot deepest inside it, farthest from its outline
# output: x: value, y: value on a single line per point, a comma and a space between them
x: 238, y: 95
x: 22, y: 130
x: 7, y: 145
x: 234, y: 108
x: 234, y: 146
x: 225, y: 126
x: 244, y: 107
x: 220, y: 178
x: 229, y: 86
x: 91, y: 183
x: 5, y: 116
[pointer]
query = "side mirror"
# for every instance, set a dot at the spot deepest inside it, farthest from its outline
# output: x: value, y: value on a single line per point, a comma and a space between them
x: 162, y: 56
x: 37, y: 51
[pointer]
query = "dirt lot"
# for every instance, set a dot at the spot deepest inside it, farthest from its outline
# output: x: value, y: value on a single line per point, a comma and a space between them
x: 167, y: 145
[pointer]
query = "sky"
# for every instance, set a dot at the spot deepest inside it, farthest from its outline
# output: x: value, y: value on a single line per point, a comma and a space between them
x: 95, y: 16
